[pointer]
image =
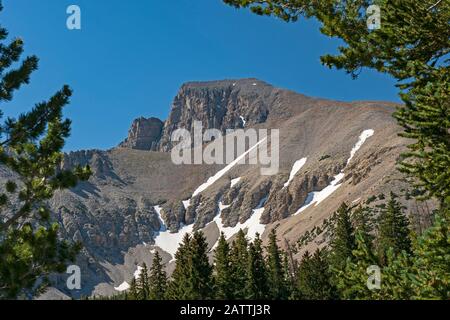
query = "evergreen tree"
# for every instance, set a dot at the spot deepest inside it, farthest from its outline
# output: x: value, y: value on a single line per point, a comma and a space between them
x: 314, y: 278
x: 431, y: 264
x: 143, y: 283
x: 200, y: 281
x: 157, y: 279
x: 256, y: 285
x: 178, y: 286
x: 393, y: 230
x: 291, y: 278
x: 223, y: 274
x: 352, y: 279
x: 133, y: 291
x: 275, y: 270
x: 343, y: 238
x: 239, y: 264
x: 31, y: 148
x: 363, y: 222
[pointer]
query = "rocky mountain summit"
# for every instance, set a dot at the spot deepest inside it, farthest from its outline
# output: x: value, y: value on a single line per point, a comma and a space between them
x: 138, y: 201
x: 144, y: 134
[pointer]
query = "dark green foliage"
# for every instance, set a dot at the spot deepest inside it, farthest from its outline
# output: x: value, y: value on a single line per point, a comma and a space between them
x: 178, y: 286
x: 200, y: 281
x: 324, y: 157
x: 314, y: 278
x: 223, y: 273
x: 256, y: 285
x: 363, y: 222
x: 343, y: 238
x: 31, y: 146
x: 239, y: 260
x: 143, y: 284
x: 393, y: 230
x: 192, y: 278
x: 157, y: 279
x: 431, y: 263
x: 275, y: 270
x: 371, y: 199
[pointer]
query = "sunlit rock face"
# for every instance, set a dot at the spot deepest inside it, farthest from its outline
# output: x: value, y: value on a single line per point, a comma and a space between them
x: 144, y: 134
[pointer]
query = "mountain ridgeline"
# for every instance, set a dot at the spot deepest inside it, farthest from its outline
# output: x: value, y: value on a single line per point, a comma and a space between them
x: 138, y: 201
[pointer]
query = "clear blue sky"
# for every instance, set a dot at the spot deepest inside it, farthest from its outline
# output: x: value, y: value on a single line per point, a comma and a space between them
x: 131, y: 56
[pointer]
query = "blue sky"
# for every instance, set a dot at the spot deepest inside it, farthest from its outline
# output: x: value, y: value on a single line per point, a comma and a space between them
x: 131, y: 57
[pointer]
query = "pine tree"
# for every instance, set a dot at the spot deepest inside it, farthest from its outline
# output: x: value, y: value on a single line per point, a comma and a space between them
x: 431, y: 261
x: 178, y: 286
x: 200, y: 281
x: 223, y: 273
x: 275, y: 270
x: 239, y: 264
x: 133, y: 291
x: 157, y: 279
x: 256, y: 284
x: 343, y: 239
x: 143, y: 283
x: 314, y: 278
x: 363, y: 222
x: 393, y: 230
x: 352, y: 279
x: 31, y: 148
x: 291, y: 278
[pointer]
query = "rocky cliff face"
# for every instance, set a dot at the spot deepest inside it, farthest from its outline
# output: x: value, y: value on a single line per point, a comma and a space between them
x: 229, y: 104
x: 144, y: 134
x: 137, y: 194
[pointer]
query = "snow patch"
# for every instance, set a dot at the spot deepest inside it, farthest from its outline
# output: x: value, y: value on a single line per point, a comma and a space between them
x: 220, y: 173
x: 123, y: 287
x: 167, y: 241
x: 186, y: 203
x: 138, y: 272
x: 295, y: 168
x: 158, y: 210
x: 316, y: 197
x: 235, y: 182
x: 243, y: 120
x: 356, y: 200
x: 253, y: 224
x: 362, y: 138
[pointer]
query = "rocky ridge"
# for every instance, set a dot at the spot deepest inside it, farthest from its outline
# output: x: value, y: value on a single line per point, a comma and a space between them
x: 115, y: 213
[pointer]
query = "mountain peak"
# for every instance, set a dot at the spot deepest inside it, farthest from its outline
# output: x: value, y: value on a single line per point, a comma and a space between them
x: 144, y: 134
x: 227, y: 83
